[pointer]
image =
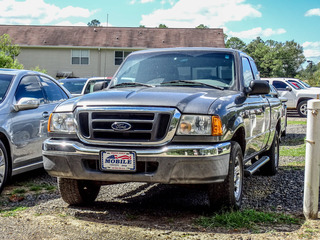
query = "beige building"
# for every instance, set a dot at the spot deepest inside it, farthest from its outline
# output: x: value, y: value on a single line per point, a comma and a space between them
x: 71, y: 51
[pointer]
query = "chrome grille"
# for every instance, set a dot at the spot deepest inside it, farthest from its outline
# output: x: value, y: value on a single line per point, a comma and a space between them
x: 147, y: 125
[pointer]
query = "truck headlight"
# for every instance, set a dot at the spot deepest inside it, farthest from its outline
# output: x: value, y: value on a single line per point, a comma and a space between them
x: 61, y: 123
x: 200, y: 125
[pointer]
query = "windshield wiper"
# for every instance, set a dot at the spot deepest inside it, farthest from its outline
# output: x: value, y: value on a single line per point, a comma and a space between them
x: 131, y: 84
x: 191, y: 82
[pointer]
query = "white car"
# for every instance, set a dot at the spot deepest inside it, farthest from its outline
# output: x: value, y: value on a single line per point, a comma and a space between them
x: 302, y: 84
x: 91, y: 85
x: 295, y: 93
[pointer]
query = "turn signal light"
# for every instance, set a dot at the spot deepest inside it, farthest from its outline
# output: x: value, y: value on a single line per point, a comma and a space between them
x: 216, y: 126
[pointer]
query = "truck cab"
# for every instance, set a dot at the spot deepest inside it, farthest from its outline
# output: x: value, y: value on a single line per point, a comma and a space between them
x: 174, y: 116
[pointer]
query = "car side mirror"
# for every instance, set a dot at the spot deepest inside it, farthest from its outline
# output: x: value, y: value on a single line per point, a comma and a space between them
x: 257, y: 87
x: 26, y: 103
x: 283, y: 99
x: 99, y: 86
x: 288, y: 88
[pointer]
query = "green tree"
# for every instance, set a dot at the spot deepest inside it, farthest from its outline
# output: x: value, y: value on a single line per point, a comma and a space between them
x: 311, y: 73
x: 276, y: 59
x: 8, y: 47
x: 236, y: 43
x: 162, y: 26
x: 202, y: 26
x: 292, y: 57
x: 38, y: 69
x: 8, y: 53
x: 94, y: 23
x: 142, y: 26
x: 225, y: 37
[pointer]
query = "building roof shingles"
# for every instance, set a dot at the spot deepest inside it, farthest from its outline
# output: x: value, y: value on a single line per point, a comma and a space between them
x: 113, y: 37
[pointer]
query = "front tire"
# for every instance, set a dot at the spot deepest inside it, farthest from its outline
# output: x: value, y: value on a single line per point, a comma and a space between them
x: 302, y: 108
x: 228, y: 194
x: 4, y: 166
x: 78, y: 192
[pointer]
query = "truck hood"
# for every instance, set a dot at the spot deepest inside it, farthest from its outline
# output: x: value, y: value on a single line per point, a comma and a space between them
x: 185, y: 99
x: 309, y: 91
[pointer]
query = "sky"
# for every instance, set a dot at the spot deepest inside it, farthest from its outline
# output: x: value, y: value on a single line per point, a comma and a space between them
x: 279, y: 20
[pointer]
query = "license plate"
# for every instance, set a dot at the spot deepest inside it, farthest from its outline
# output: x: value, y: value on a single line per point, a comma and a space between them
x: 118, y: 161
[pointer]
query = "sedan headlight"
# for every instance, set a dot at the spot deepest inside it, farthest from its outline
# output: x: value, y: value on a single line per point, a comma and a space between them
x: 200, y: 125
x: 61, y: 123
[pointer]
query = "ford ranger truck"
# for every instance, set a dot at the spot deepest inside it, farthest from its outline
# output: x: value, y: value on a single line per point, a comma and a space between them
x: 196, y: 116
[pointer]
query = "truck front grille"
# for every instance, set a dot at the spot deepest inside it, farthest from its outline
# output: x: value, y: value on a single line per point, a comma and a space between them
x: 145, y: 124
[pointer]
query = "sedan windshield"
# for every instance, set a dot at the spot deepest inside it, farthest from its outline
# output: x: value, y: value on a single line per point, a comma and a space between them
x: 73, y: 85
x: 5, y: 81
x: 181, y: 68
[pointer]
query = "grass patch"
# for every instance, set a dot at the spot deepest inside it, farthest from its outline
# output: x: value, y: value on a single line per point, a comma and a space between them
x: 294, y: 141
x: 246, y: 219
x: 297, y: 151
x: 19, y: 191
x: 295, y: 165
x: 35, y: 188
x: 131, y: 217
x: 39, y: 187
x: 11, y: 212
x: 298, y: 122
x: 298, y: 164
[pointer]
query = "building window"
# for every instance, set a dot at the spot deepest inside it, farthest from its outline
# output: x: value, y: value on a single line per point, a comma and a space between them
x: 119, y: 56
x: 80, y: 56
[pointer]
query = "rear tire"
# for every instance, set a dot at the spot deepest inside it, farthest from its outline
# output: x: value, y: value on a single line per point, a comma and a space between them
x: 271, y: 167
x: 78, y: 192
x: 228, y: 194
x: 4, y: 166
x: 302, y: 108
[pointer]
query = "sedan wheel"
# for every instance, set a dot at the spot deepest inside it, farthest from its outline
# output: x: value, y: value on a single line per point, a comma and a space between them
x: 4, y: 166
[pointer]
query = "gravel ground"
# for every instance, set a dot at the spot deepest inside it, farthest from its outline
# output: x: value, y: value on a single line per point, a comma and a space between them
x: 155, y: 211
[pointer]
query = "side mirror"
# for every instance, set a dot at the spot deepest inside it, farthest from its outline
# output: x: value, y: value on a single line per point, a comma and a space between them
x: 99, y: 86
x: 26, y: 103
x: 258, y: 87
x: 288, y: 88
x: 283, y: 99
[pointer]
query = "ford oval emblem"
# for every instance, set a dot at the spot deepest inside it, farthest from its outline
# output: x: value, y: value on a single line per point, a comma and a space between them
x: 121, y: 126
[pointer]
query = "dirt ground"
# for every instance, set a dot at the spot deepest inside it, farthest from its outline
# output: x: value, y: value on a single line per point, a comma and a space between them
x: 141, y: 211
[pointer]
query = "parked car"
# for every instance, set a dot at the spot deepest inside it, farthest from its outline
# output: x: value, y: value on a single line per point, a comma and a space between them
x: 302, y: 84
x: 275, y: 94
x: 296, y: 95
x: 73, y: 85
x: 195, y: 116
x: 26, y: 100
x: 95, y: 84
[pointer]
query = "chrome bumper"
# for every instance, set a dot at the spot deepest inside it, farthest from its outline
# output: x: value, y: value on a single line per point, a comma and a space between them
x: 177, y: 164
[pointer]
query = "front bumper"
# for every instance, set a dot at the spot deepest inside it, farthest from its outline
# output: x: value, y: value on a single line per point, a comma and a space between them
x: 172, y: 164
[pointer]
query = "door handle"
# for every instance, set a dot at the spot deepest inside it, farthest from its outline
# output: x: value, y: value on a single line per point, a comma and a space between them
x: 45, y: 115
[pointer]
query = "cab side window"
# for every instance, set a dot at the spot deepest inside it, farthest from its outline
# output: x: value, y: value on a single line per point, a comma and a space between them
x: 52, y: 91
x: 279, y: 85
x: 247, y: 72
x: 30, y: 87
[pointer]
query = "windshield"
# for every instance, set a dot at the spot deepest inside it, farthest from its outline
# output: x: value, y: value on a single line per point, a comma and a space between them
x: 5, y: 81
x: 74, y: 86
x: 294, y: 85
x: 154, y: 69
x: 305, y: 84
x: 297, y: 84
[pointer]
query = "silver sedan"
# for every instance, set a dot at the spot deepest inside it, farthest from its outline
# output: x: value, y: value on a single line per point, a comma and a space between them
x: 26, y: 100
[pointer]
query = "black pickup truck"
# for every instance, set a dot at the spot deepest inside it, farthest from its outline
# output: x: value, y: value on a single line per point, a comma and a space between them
x: 198, y: 116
